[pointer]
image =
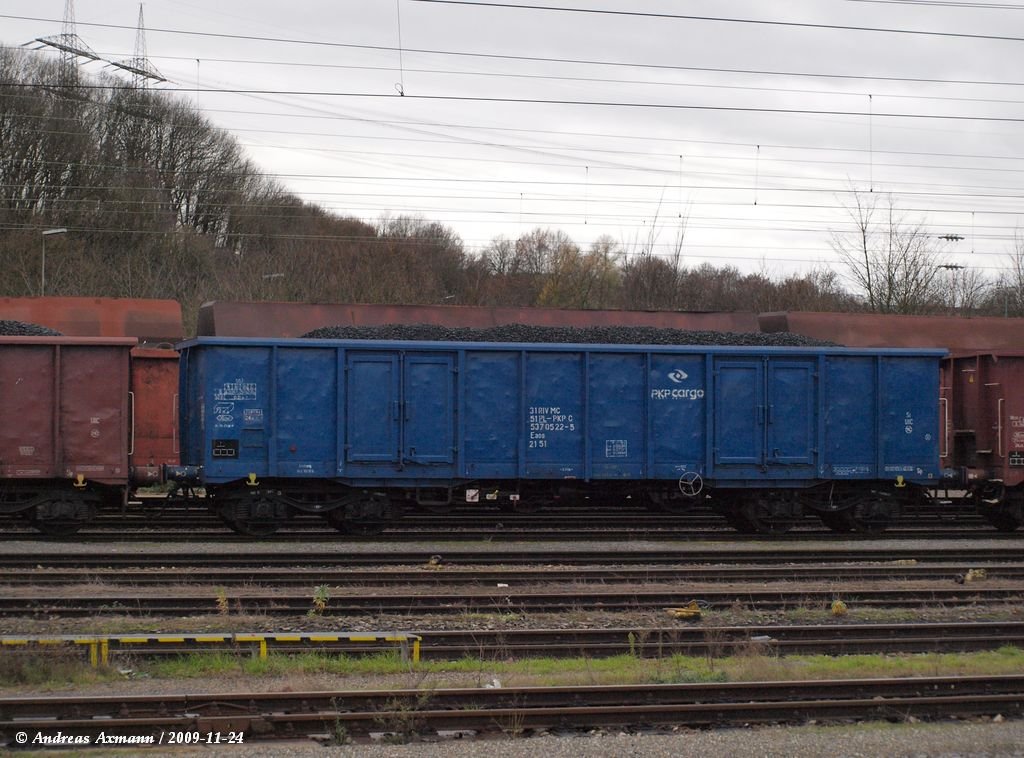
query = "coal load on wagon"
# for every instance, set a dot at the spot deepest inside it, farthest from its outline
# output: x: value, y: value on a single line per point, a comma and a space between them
x: 591, y: 335
x: 10, y: 328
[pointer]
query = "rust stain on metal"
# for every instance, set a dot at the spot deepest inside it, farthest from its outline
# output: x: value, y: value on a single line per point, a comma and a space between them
x: 148, y: 320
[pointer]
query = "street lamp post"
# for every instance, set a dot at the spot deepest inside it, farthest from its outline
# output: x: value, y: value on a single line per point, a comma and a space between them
x: 42, y: 276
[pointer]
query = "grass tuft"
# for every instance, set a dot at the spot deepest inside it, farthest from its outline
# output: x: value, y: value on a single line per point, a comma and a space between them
x: 53, y: 669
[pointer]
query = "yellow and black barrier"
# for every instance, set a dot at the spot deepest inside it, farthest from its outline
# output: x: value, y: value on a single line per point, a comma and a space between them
x: 259, y: 643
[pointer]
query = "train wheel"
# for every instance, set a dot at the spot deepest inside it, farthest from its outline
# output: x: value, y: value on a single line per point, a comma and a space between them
x: 768, y: 515
x: 62, y: 516
x: 58, y: 528
x: 734, y: 517
x: 361, y: 528
x: 1001, y: 507
x: 837, y: 521
x: 1004, y: 521
x: 875, y: 515
x: 863, y: 511
x: 365, y: 517
x: 253, y: 527
x: 671, y: 501
x: 255, y: 517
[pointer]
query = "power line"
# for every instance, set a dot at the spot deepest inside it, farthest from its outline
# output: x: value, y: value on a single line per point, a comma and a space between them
x: 514, y: 182
x: 590, y: 79
x: 687, y: 254
x: 578, y: 159
x: 724, y: 19
x: 590, y: 219
x: 409, y: 126
x: 945, y: 4
x: 559, y: 101
x: 546, y: 59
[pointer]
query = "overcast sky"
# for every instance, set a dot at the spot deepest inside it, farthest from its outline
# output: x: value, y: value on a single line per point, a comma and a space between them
x: 752, y: 134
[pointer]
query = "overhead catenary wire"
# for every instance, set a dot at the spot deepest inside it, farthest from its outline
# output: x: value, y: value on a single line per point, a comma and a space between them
x: 566, y: 101
x: 402, y: 69
x: 548, y: 59
x: 523, y: 130
x: 382, y: 239
x: 728, y: 20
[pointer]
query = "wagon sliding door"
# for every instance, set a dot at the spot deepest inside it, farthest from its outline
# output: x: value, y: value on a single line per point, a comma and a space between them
x: 790, y: 429
x: 401, y: 412
x: 372, y: 408
x: 739, y: 413
x: 764, y: 417
x: 429, y: 427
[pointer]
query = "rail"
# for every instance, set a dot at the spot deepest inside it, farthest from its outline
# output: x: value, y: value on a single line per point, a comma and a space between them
x: 510, y: 710
x: 259, y: 644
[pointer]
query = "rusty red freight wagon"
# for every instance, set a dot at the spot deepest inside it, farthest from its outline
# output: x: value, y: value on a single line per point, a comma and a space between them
x: 957, y: 334
x: 150, y: 321
x: 152, y: 394
x: 982, y: 399
x: 154, y: 413
x: 65, y: 440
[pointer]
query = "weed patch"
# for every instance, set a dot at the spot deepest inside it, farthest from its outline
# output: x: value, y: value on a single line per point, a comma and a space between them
x: 50, y: 670
x: 750, y: 663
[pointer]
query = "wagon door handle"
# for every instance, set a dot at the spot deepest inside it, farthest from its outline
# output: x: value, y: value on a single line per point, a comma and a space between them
x: 771, y: 413
x: 999, y: 427
x: 174, y: 424
x: 131, y: 428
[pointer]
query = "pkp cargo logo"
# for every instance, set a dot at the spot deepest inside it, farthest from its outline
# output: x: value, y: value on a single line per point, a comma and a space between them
x: 677, y: 376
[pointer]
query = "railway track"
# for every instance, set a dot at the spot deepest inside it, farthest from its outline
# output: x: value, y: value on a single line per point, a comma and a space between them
x: 504, y: 601
x: 260, y: 715
x: 525, y: 555
x: 721, y: 640
x: 478, y: 518
x: 439, y: 530
x: 950, y: 507
x: 362, y: 577
x: 645, y: 642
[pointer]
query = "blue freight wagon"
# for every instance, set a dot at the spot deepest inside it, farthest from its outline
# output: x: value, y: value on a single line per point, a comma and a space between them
x: 359, y: 430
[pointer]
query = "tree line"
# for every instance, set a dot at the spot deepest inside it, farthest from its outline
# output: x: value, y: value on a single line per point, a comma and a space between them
x: 160, y: 203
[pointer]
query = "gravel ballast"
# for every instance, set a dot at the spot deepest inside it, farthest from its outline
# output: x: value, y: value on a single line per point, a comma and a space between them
x: 867, y: 740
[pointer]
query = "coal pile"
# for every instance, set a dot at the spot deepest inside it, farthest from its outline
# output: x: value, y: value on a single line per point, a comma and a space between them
x: 591, y: 335
x: 10, y: 328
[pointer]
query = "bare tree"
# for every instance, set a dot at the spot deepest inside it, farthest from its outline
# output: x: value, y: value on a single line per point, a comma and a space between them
x: 522, y: 269
x: 651, y: 280
x: 892, y: 260
x: 581, y: 280
x: 963, y: 290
